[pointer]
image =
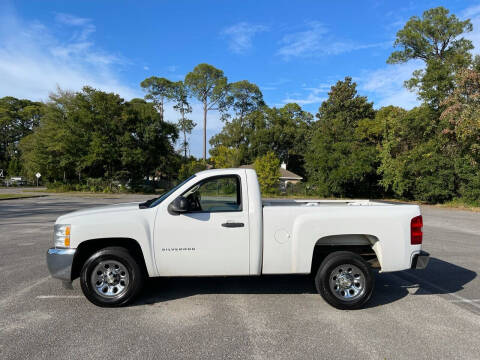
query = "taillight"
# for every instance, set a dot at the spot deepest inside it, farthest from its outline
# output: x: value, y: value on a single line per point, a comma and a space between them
x: 416, y: 234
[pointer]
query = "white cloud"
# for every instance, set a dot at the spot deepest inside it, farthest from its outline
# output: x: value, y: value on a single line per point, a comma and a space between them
x: 273, y: 85
x: 314, y: 95
x: 69, y: 19
x: 241, y: 35
x: 315, y: 41
x: 172, y: 68
x: 34, y: 59
x: 304, y: 42
x: 340, y: 47
x: 385, y: 85
x: 310, y: 99
x: 84, y: 26
x: 473, y: 13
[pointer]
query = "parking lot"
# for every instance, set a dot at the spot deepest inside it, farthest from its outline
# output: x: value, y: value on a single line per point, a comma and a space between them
x: 425, y: 314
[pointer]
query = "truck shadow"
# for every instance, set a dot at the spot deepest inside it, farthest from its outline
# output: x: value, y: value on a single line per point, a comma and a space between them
x: 440, y: 277
x: 165, y: 289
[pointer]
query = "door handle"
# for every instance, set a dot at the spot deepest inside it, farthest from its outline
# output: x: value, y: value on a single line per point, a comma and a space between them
x: 233, y: 224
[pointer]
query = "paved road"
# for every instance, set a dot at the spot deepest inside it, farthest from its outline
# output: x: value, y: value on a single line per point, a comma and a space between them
x: 428, y: 314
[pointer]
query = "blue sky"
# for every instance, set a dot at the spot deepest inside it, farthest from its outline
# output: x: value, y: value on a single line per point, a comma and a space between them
x: 294, y: 50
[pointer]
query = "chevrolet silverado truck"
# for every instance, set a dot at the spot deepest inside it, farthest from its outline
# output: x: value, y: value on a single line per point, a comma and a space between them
x: 216, y: 224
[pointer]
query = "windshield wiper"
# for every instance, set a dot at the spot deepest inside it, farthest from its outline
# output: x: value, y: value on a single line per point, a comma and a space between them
x: 146, y: 204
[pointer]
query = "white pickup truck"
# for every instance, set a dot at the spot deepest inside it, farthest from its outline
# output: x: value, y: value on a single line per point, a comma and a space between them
x: 216, y: 224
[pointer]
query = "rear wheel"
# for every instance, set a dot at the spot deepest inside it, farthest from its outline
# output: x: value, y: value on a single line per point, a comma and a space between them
x: 345, y: 280
x: 111, y: 277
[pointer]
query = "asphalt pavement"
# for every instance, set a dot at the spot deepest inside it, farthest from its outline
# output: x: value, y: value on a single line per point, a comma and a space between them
x: 424, y: 314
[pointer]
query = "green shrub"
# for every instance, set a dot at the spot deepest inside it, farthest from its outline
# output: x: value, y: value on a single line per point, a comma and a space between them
x: 189, y: 168
x: 268, y: 172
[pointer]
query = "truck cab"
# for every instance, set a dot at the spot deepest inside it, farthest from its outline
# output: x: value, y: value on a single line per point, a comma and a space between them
x: 214, y: 231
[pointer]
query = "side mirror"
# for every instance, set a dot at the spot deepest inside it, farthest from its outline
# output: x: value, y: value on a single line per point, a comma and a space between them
x: 178, y: 206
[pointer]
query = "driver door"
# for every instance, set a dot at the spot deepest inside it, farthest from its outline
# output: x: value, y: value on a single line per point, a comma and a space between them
x: 212, y: 238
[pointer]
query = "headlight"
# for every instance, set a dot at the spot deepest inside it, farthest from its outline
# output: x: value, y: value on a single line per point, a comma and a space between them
x: 61, y: 235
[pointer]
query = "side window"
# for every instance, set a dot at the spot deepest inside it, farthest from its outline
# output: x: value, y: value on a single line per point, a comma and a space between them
x: 218, y: 194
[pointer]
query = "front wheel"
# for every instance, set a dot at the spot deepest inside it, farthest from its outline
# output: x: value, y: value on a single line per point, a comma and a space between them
x: 111, y: 277
x: 345, y: 280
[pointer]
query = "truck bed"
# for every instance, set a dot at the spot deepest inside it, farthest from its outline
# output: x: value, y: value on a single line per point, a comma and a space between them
x: 309, y: 202
x: 292, y: 228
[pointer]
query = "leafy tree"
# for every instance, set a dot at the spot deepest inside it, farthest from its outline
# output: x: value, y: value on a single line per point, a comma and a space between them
x: 282, y: 130
x: 159, y: 90
x: 191, y: 167
x: 243, y: 135
x: 94, y: 134
x: 435, y: 39
x: 185, y: 125
x: 476, y: 63
x: 149, y: 139
x: 103, y: 113
x: 208, y: 85
x: 14, y: 167
x: 268, y: 172
x: 289, y: 130
x: 224, y: 157
x: 57, y: 146
x: 244, y: 97
x: 18, y: 118
x: 418, y: 160
x: 412, y: 161
x: 340, y: 160
x: 462, y: 131
x: 371, y: 131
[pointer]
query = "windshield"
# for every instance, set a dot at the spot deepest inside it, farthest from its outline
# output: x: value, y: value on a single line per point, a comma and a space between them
x: 168, y: 193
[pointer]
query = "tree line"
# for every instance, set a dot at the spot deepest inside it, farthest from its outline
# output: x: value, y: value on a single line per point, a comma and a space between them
x: 429, y: 153
x: 347, y: 149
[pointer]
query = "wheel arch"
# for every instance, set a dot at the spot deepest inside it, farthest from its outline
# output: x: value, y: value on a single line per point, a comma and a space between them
x: 366, y: 245
x: 88, y: 247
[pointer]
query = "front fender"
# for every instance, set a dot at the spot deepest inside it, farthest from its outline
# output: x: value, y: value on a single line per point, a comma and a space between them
x: 136, y: 225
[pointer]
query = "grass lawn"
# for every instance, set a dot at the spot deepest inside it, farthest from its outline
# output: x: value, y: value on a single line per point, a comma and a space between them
x: 15, y: 196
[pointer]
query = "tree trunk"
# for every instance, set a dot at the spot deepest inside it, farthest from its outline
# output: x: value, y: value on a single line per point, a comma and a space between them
x: 205, y: 130
x: 161, y: 109
x: 184, y: 133
x: 185, y: 142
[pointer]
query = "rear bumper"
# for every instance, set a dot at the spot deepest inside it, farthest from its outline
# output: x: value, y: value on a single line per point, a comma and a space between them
x: 59, y: 262
x: 420, y: 260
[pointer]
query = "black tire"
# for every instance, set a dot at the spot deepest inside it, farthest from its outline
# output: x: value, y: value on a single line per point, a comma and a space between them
x: 325, y: 280
x: 128, y: 264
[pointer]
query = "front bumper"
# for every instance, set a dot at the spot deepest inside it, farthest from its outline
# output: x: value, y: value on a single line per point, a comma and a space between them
x: 420, y: 260
x: 59, y: 262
